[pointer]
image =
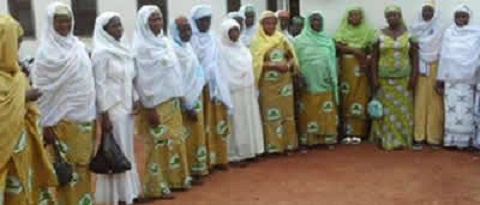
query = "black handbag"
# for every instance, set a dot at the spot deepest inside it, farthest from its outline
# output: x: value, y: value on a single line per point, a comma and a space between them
x: 109, y: 158
x: 63, y: 169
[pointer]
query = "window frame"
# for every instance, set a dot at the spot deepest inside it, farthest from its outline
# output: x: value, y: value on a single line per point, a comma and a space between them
x: 236, y: 4
x: 86, y: 28
x: 15, y: 7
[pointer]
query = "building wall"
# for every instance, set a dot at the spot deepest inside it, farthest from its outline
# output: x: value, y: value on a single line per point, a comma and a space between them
x: 333, y: 10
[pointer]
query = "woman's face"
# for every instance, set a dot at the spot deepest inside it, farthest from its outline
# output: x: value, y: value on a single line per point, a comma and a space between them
x: 316, y: 22
x: 462, y: 18
x: 269, y: 25
x: 204, y: 23
x: 297, y: 28
x: 114, y: 28
x: 284, y: 22
x: 249, y: 19
x: 234, y: 34
x: 355, y: 17
x: 185, y: 32
x: 427, y: 13
x: 155, y: 22
x: 62, y: 24
x: 240, y: 22
x: 393, y: 18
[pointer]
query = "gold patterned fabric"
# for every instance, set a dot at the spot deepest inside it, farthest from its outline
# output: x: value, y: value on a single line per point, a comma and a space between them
x: 196, y: 141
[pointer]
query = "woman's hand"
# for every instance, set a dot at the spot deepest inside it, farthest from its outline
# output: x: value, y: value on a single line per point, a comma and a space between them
x: 440, y: 87
x: 49, y: 136
x: 33, y: 95
x: 106, y: 123
x: 282, y: 67
x: 192, y: 115
x: 153, y: 118
x: 412, y: 84
x: 136, y: 108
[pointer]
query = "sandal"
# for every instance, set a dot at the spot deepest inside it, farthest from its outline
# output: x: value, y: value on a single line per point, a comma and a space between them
x: 347, y: 140
x: 356, y: 140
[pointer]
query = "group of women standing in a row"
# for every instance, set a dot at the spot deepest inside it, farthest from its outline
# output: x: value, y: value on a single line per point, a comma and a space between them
x: 204, y: 101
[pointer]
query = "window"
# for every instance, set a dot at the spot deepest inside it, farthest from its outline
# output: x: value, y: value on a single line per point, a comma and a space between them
x: 272, y: 5
x: 22, y: 11
x: 162, y: 4
x: 294, y: 8
x: 85, y: 13
x: 233, y: 5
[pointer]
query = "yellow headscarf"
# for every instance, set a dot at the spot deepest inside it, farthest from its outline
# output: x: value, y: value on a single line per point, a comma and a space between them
x: 13, y: 85
x: 263, y: 43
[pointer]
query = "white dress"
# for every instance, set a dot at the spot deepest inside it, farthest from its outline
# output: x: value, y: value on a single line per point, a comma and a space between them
x: 247, y: 139
x: 114, y: 83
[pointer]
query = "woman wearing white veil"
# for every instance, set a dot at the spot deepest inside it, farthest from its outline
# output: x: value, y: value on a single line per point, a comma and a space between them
x: 428, y: 116
x: 114, y: 70
x: 63, y: 74
x: 458, y: 66
x: 250, y: 30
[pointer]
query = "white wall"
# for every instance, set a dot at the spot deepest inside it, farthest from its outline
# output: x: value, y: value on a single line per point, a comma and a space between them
x: 334, y: 9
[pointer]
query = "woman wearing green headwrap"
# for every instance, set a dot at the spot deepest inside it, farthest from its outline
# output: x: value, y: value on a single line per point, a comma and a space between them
x: 394, y: 76
x: 318, y: 108
x: 354, y: 38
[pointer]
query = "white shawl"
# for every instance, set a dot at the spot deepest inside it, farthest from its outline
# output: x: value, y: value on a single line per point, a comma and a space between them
x: 206, y: 46
x: 460, y: 53
x: 159, y: 76
x: 193, y: 76
x: 248, y: 33
x: 237, y: 59
x: 429, y: 36
x: 63, y: 73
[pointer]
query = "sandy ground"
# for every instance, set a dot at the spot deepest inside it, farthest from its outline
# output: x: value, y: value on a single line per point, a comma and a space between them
x: 348, y: 175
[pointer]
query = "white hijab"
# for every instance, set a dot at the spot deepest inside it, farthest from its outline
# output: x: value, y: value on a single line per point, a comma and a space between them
x: 460, y: 53
x: 285, y: 32
x: 104, y: 42
x: 159, y: 75
x: 429, y: 34
x: 193, y: 75
x: 248, y: 33
x: 63, y: 73
x: 238, y: 61
x: 206, y: 46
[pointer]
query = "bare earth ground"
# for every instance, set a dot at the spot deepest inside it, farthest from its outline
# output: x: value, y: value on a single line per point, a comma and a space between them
x: 349, y: 175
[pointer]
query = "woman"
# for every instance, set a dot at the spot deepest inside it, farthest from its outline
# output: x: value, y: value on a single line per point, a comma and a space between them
x: 354, y: 38
x: 159, y: 84
x: 283, y: 17
x: 274, y: 66
x: 458, y: 66
x: 114, y: 71
x: 217, y: 96
x: 394, y: 76
x: 24, y: 166
x: 318, y: 110
x: 193, y: 80
x: 297, y: 25
x: 63, y: 73
x: 250, y: 29
x: 247, y: 139
x: 239, y: 17
x: 428, y: 103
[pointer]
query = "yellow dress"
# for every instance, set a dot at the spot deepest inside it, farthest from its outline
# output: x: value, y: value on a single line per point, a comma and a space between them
x: 166, y: 164
x: 196, y: 141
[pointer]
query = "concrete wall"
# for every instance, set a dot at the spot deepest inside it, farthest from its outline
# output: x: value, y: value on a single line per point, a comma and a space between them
x: 333, y: 10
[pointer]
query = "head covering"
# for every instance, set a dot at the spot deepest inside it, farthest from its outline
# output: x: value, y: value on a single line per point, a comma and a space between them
x: 396, y: 9
x: 248, y: 32
x: 297, y: 20
x: 193, y: 77
x: 237, y: 59
x: 459, y: 55
x: 360, y: 36
x: 206, y: 47
x: 13, y: 85
x: 63, y: 73
x: 104, y: 42
x: 159, y: 77
x: 11, y: 31
x: 263, y: 43
x: 285, y: 14
x: 235, y: 14
x: 317, y: 58
x: 429, y: 36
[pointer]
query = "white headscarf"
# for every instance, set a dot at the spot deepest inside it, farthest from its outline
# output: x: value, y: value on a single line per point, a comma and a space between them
x: 159, y: 75
x: 238, y: 61
x: 206, y: 46
x: 193, y: 76
x: 460, y: 53
x: 63, y: 73
x: 235, y: 14
x: 429, y: 35
x: 248, y: 33
x: 104, y: 42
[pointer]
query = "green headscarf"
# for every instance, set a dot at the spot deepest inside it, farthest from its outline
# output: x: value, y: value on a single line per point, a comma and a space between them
x: 397, y: 9
x: 360, y: 36
x: 317, y: 58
